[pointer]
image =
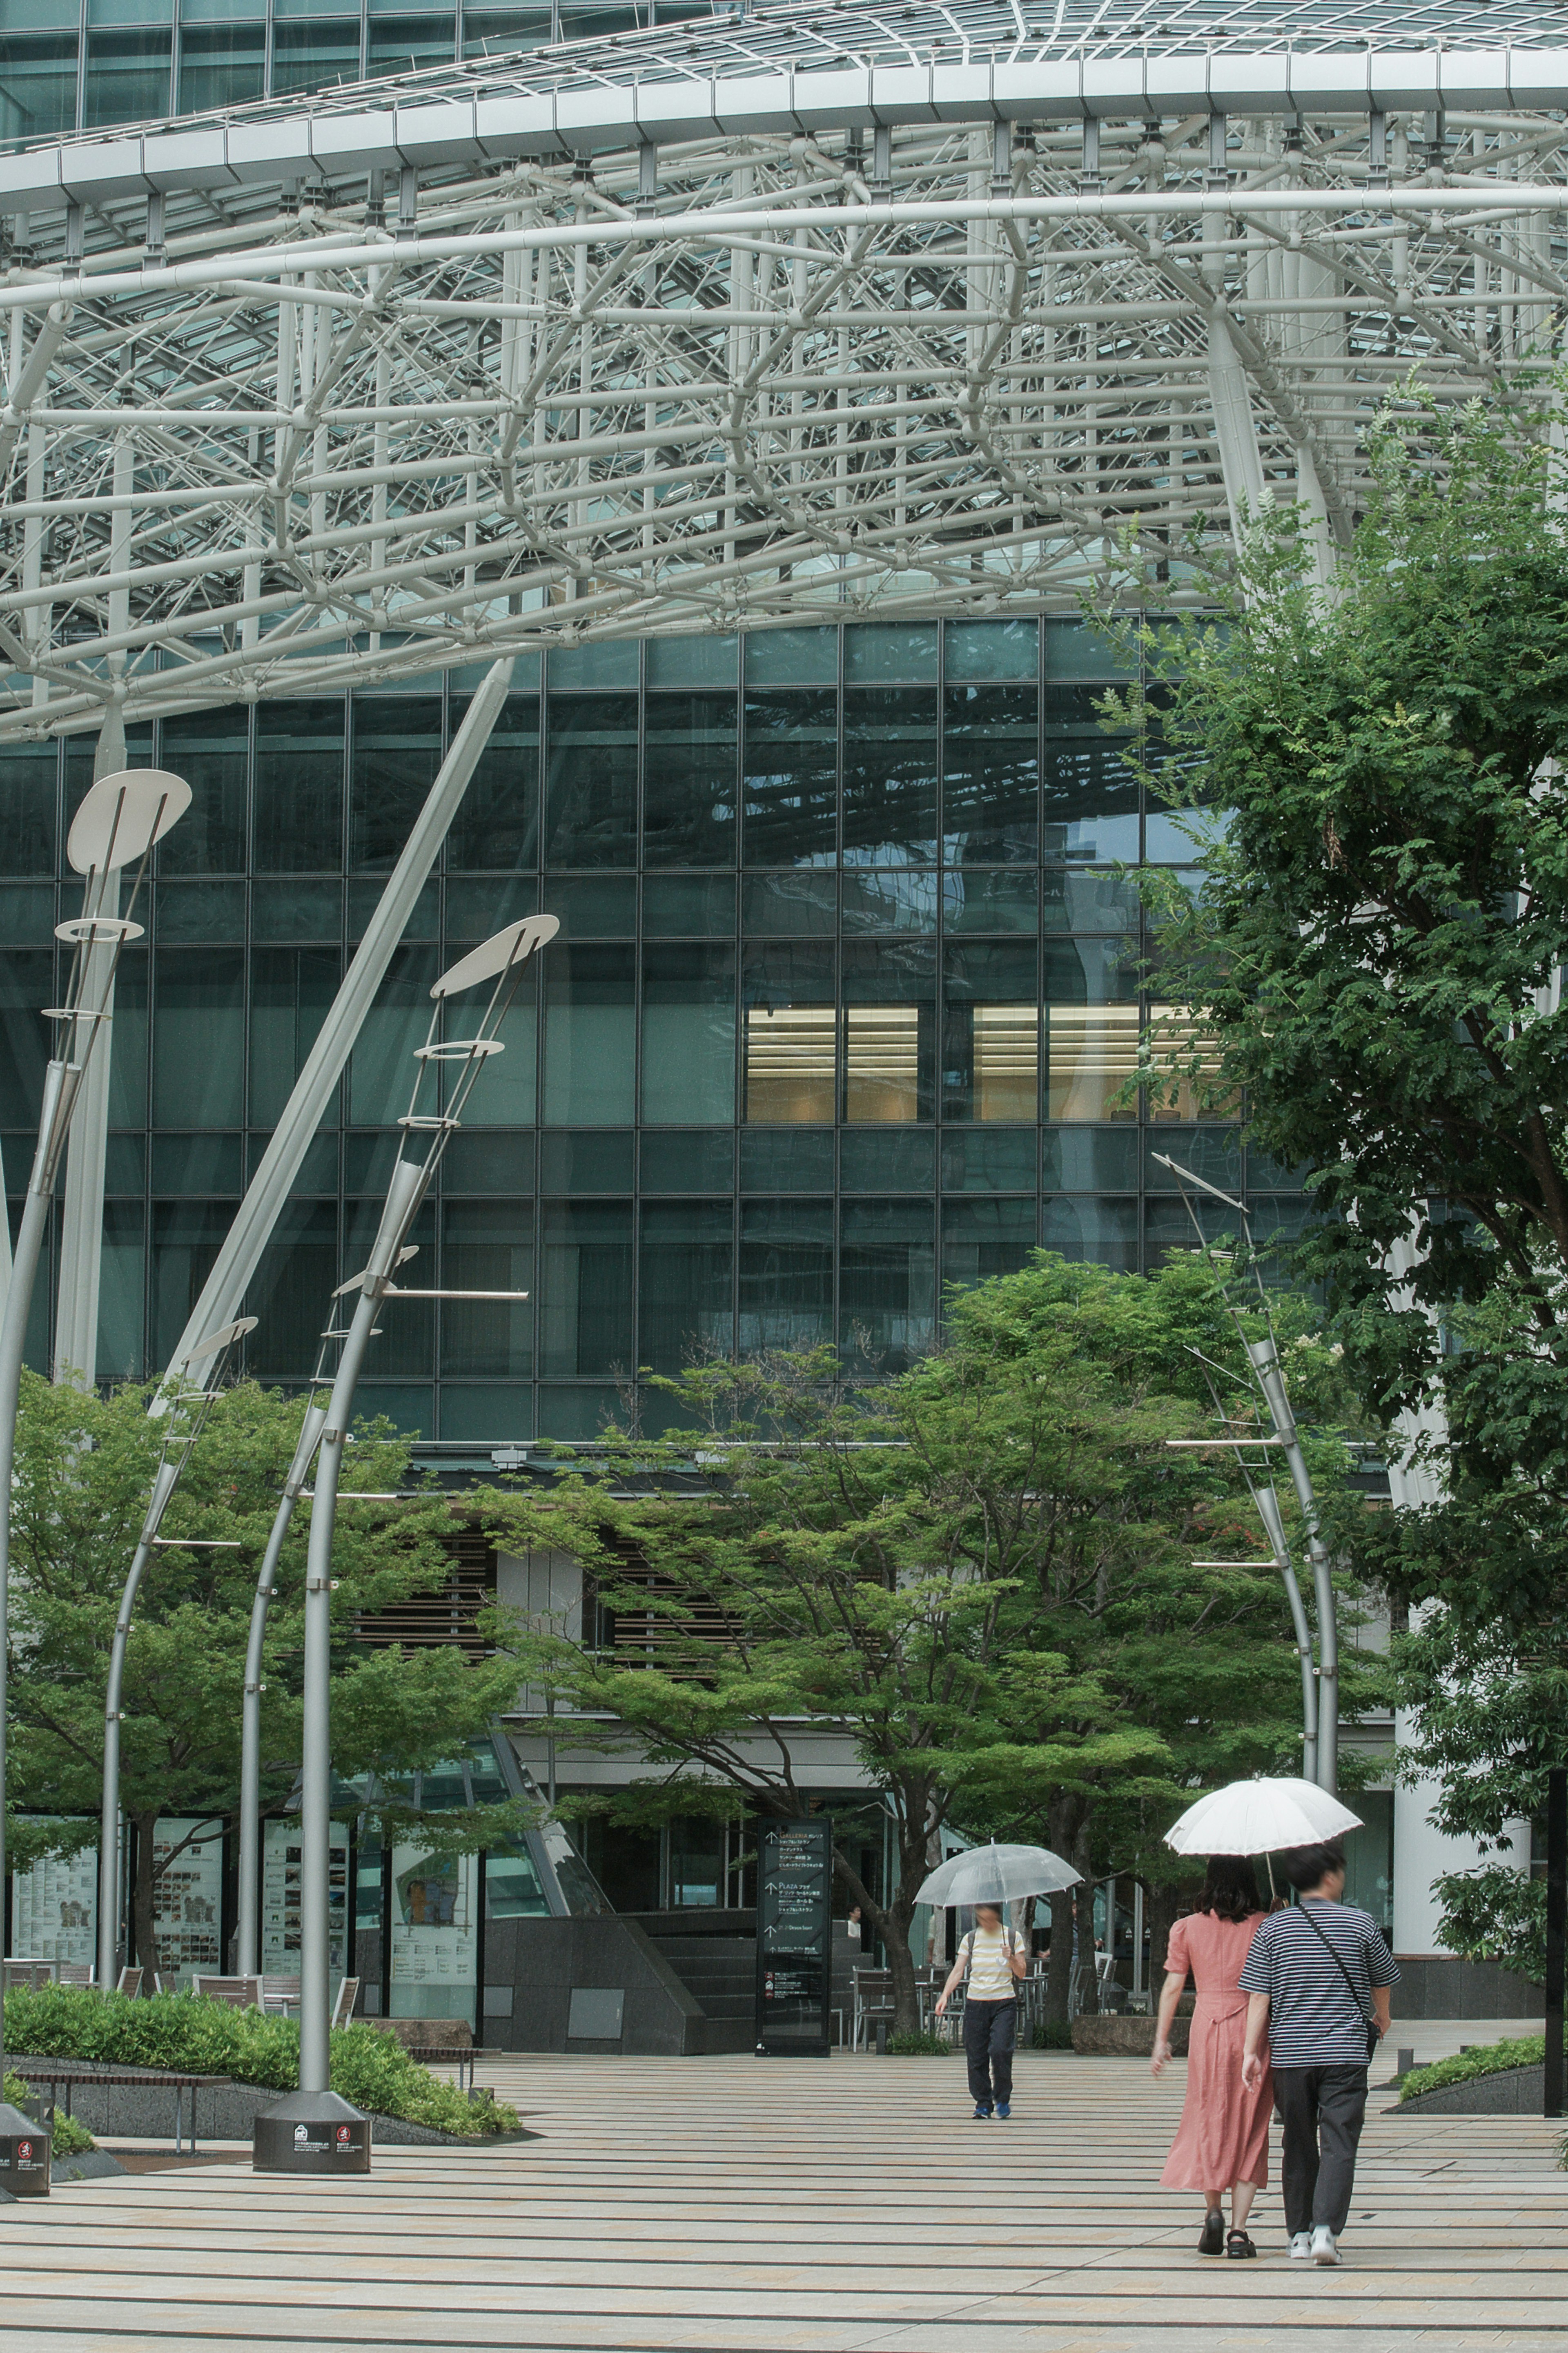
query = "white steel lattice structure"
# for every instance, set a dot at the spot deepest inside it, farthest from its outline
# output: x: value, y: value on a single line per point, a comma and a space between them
x: 846, y: 309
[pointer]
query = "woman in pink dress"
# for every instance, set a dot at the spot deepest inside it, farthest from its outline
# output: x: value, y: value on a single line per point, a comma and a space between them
x: 1222, y: 2142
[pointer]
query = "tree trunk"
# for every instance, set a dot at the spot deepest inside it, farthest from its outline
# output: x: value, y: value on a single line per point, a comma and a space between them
x: 1083, y: 1895
x: 901, y: 1963
x: 1163, y: 1903
x: 143, y: 1945
x: 1058, y: 1977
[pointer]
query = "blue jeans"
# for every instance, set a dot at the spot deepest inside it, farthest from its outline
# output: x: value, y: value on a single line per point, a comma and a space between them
x: 990, y: 2038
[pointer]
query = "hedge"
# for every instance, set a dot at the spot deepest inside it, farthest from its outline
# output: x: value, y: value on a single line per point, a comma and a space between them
x: 202, y: 2036
x: 1486, y: 2059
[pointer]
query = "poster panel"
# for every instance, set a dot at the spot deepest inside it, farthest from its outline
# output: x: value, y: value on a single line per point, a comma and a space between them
x: 435, y: 1942
x: 795, y: 1935
x: 187, y: 1893
x: 281, y: 1897
x: 54, y: 1909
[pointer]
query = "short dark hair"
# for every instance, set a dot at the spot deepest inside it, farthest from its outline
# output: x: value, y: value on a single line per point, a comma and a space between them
x: 1308, y: 1866
x: 1230, y: 1888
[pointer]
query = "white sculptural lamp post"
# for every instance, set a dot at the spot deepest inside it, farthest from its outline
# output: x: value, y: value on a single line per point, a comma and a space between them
x: 314, y: 2130
x: 116, y: 825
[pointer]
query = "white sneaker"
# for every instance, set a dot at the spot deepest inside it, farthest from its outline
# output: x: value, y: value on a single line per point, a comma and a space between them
x: 1324, y: 2250
x: 1301, y: 2246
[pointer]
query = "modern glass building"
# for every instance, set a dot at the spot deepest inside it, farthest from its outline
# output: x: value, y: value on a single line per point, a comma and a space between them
x: 843, y: 1009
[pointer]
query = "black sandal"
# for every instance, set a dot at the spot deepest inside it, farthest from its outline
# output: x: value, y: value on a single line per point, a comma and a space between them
x: 1238, y: 2246
x: 1213, y: 2240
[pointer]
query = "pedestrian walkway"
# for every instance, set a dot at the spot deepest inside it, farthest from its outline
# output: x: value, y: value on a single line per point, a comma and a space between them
x: 793, y: 2206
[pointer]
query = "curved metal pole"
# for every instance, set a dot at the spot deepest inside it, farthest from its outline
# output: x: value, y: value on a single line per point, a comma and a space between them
x: 247, y: 1943
x: 109, y: 1822
x: 404, y: 1195
x: 1272, y: 1382
x: 62, y: 1081
x: 1268, y: 1512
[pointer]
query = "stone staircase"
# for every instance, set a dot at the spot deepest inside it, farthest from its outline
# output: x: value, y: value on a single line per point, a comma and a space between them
x: 714, y: 1955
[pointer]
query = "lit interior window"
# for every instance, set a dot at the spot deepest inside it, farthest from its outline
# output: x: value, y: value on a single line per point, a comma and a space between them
x: 1006, y: 1061
x: 881, y: 1067
x: 1093, y: 1053
x: 1179, y: 1043
x: 790, y: 1064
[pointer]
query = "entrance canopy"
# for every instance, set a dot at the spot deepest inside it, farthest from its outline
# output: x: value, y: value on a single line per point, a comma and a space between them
x: 811, y: 312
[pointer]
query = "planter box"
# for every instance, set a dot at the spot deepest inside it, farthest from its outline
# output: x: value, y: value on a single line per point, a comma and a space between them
x: 1509, y: 2092
x: 1113, y: 2034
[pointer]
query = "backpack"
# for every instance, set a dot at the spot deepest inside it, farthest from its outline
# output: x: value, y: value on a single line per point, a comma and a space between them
x: 1012, y: 1943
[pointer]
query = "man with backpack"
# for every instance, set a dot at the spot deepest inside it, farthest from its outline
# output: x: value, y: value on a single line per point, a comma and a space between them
x: 991, y: 1959
x: 1319, y: 1974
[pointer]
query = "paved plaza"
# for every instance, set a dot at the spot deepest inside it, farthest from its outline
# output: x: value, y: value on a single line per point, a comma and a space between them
x: 822, y: 2206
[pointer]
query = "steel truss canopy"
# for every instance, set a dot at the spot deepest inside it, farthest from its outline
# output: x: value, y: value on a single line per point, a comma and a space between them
x: 808, y: 313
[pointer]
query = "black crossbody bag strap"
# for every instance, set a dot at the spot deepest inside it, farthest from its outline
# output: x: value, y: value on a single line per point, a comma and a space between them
x: 1373, y: 2037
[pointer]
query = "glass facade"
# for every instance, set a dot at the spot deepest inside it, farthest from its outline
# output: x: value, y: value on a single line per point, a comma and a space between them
x: 842, y: 1010
x: 87, y: 64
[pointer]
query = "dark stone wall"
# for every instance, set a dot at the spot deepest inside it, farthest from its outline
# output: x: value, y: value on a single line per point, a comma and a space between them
x: 542, y: 1960
x: 1432, y: 1987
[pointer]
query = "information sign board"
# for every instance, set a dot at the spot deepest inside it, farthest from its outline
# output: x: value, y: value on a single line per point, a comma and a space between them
x: 795, y: 1937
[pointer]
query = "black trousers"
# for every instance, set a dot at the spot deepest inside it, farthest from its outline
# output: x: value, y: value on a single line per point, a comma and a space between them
x: 990, y: 2038
x: 1323, y: 2109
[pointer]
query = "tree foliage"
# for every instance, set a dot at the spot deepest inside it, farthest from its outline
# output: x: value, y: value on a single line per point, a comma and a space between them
x: 982, y: 1570
x: 84, y: 1472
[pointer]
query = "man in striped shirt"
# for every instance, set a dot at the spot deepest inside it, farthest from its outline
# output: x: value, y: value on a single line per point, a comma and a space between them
x: 1319, y: 1974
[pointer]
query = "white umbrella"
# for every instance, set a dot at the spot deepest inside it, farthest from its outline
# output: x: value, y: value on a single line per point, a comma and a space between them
x: 997, y: 1875
x: 1259, y: 1818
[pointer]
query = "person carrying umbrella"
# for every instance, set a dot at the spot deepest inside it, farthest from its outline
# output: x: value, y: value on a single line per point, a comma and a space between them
x: 992, y: 1956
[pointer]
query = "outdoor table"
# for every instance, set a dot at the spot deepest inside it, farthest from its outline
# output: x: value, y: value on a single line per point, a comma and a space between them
x: 72, y: 2072
x: 459, y: 2055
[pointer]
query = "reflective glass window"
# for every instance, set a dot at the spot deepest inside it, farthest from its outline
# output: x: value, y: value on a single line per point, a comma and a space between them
x: 590, y: 1036
x: 1103, y: 1232
x: 886, y: 651
x: 127, y: 75
x: 688, y: 1160
x: 887, y: 1283
x: 991, y: 1051
x: 28, y: 912
x: 200, y: 911
x: 37, y: 84
x: 685, y: 1311
x: 586, y: 1304
x: 789, y: 906
x: 1091, y: 1160
x: 786, y: 1159
x: 211, y: 749
x: 487, y: 1246
x: 1005, y: 899
x: 495, y: 1163
x: 397, y: 751
x: 1091, y: 795
x: 186, y: 1238
x: 889, y: 775
x: 785, y: 1274
x: 1212, y: 1152
x: 980, y: 1239
x: 290, y: 991
x: 792, y: 778
x: 29, y: 790
x: 586, y: 1160
x: 689, y: 906
x: 221, y: 65
x: 591, y: 783
x: 497, y: 825
x: 689, y: 1034
x: 593, y: 906
x: 1072, y: 651
x: 791, y: 657
x: 403, y: 44
x: 121, y: 1280
x: 305, y: 56
x: 486, y: 1412
x: 198, y: 1038
x: 296, y: 911
x: 991, y: 650
x: 1076, y: 899
x: 890, y: 899
x: 690, y: 779
x: 989, y: 1160
x: 127, y: 1068
x: 381, y: 1070
x: 196, y: 1164
x: 487, y: 30
x: 990, y: 775
x: 506, y: 1092
x: 300, y: 787
x: 889, y: 1031
x: 791, y: 1036
x: 886, y: 1160
x: 477, y: 907
x: 407, y: 1348
x: 26, y: 986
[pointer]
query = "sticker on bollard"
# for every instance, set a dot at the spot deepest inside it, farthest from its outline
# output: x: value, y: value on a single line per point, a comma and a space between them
x: 311, y: 2132
x: 24, y: 2155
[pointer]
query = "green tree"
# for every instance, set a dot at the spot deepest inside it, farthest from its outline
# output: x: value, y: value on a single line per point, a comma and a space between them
x: 982, y: 1569
x: 1375, y: 953
x: 84, y: 1470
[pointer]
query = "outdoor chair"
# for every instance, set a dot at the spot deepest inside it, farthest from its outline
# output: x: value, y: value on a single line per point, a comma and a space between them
x: 280, y: 1993
x: 239, y: 1993
x: 165, y: 1981
x: 129, y: 1982
x: 343, y: 2007
x: 30, y: 1973
x: 873, y: 2004
x: 75, y: 1973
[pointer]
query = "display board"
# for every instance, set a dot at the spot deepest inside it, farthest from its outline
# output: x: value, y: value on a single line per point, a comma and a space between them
x: 435, y: 1941
x: 281, y: 1898
x: 54, y: 1909
x: 187, y: 1893
x: 795, y: 1935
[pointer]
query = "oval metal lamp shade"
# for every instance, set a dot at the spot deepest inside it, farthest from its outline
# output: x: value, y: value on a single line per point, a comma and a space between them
x: 511, y: 945
x: 123, y: 815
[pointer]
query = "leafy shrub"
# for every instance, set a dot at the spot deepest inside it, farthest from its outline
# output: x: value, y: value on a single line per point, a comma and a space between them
x: 919, y: 2046
x: 1052, y: 2034
x: 207, y: 2038
x: 1487, y: 2059
x: 70, y: 2139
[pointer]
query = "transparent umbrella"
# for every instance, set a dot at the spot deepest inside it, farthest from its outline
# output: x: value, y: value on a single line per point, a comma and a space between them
x: 997, y: 1875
